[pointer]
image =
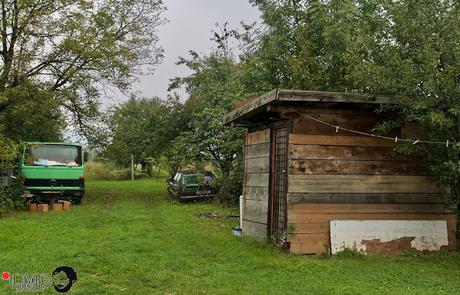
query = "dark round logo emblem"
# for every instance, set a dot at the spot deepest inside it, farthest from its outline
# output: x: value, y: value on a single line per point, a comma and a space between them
x: 63, y: 278
x: 53, y: 182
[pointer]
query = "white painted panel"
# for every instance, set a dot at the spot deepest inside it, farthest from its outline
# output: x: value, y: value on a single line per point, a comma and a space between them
x: 428, y: 235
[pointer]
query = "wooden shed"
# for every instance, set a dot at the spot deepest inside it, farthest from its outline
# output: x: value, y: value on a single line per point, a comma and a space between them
x: 310, y: 187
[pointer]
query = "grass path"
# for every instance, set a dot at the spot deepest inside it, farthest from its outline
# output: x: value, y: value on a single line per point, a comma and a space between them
x: 128, y: 238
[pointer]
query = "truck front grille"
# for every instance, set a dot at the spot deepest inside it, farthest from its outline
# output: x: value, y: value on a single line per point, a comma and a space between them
x: 53, y: 182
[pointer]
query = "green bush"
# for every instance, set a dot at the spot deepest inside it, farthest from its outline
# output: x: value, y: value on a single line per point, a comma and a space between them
x: 107, y: 171
x: 350, y: 253
x: 11, y: 197
x: 231, y: 187
x: 9, y: 150
x: 97, y: 171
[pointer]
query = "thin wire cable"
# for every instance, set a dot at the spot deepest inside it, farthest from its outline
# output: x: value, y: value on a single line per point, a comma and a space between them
x: 395, y: 139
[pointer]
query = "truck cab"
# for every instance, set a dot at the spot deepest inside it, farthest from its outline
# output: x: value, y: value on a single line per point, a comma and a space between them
x: 54, y: 170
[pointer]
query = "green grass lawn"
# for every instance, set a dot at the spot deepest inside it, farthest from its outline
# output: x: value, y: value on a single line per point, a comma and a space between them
x: 129, y: 238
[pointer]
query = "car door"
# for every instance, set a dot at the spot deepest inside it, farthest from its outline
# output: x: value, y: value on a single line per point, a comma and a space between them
x: 178, y: 187
x: 174, y: 185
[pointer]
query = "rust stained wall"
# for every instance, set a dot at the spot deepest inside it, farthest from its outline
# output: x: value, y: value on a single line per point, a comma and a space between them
x: 388, y: 236
x: 344, y: 176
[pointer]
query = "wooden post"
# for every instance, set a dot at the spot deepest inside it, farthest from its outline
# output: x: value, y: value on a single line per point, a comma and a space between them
x: 241, y: 212
x: 132, y: 167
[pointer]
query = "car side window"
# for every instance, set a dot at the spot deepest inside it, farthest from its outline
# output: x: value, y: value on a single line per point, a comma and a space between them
x: 176, y: 177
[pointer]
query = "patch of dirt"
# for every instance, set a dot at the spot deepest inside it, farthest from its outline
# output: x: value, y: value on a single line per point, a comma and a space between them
x: 107, y: 200
x: 390, y: 247
x: 213, y: 215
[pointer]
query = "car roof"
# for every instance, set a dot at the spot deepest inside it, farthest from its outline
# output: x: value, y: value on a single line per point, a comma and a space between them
x: 192, y: 172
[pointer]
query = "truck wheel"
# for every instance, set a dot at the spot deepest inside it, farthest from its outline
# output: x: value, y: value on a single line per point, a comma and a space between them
x: 76, y: 200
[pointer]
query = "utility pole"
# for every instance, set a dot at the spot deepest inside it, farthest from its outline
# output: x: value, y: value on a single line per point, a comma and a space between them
x: 132, y: 167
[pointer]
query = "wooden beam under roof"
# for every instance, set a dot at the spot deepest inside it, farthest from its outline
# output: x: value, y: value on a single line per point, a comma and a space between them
x: 283, y: 95
x: 339, y: 97
x: 250, y: 107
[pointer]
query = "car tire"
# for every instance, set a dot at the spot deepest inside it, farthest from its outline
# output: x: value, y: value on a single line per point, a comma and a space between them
x: 77, y: 200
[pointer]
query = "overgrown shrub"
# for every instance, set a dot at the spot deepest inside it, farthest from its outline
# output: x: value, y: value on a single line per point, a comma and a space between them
x: 106, y: 171
x: 11, y: 197
x: 350, y: 253
x: 96, y: 171
x: 109, y: 171
x: 8, y: 150
x: 231, y: 186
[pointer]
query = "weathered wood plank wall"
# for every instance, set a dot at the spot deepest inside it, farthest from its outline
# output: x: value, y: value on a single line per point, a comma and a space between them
x: 348, y: 177
x: 256, y: 183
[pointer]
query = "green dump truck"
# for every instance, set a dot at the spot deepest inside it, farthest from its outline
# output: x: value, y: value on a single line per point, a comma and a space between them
x: 54, y: 170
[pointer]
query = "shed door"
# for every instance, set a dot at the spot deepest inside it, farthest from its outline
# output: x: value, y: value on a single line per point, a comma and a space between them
x: 278, y: 204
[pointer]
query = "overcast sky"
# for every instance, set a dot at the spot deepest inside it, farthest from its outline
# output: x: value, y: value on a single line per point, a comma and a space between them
x: 189, y: 26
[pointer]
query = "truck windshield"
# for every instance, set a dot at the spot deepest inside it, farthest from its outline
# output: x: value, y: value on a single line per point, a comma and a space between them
x: 53, y: 155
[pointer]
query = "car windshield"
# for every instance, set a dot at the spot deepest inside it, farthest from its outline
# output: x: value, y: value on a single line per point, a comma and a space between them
x: 194, y: 179
x: 53, y: 155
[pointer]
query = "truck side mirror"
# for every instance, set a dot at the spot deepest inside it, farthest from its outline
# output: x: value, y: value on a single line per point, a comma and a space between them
x: 85, y: 157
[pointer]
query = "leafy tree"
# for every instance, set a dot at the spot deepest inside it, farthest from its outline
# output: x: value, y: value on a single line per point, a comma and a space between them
x: 73, y: 49
x: 414, y: 54
x: 137, y: 127
x: 217, y: 82
x: 306, y: 44
x: 8, y: 151
x: 149, y: 129
x: 409, y: 49
x: 179, y: 150
x: 179, y: 155
x: 213, y: 87
x: 34, y: 115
